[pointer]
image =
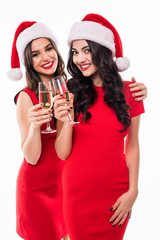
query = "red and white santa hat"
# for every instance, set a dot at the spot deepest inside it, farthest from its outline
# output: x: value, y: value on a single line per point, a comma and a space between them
x: 96, y: 28
x: 25, y: 33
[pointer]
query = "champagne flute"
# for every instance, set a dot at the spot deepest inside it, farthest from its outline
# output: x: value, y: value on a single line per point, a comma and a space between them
x: 60, y: 87
x: 45, y: 97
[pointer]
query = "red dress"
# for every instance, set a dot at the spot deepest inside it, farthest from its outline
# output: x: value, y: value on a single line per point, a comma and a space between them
x: 39, y: 193
x: 95, y: 174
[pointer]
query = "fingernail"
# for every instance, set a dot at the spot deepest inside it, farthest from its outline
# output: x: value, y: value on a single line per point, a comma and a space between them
x: 114, y: 225
x: 133, y: 95
x: 51, y: 115
x: 41, y: 104
x: 111, y: 209
x: 120, y: 225
x: 67, y: 100
x: 50, y: 110
x: 68, y: 110
x: 71, y: 107
x: 131, y: 90
x: 61, y: 95
x: 50, y: 119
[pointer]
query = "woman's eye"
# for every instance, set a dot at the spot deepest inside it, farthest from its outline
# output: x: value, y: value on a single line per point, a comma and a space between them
x: 35, y: 55
x: 49, y: 49
x: 87, y: 50
x: 74, y: 52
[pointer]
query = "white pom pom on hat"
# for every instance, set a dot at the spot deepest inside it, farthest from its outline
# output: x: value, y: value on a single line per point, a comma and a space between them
x: 25, y: 33
x: 96, y: 28
x: 15, y: 74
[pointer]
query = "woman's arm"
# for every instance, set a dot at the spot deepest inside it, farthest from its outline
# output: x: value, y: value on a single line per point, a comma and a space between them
x: 29, y: 121
x: 63, y: 142
x: 132, y: 154
x: 123, y: 206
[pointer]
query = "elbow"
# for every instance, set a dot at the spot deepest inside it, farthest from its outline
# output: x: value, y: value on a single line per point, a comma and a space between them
x: 33, y: 161
x: 31, y: 157
x: 62, y: 153
x: 63, y: 156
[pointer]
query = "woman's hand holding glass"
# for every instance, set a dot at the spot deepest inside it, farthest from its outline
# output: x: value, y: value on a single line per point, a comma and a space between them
x: 38, y: 115
x: 60, y: 88
x: 62, y: 107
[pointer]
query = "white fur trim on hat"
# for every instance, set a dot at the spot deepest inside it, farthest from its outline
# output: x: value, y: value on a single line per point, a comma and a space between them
x: 15, y: 74
x: 94, y: 32
x: 37, y: 30
x: 122, y: 63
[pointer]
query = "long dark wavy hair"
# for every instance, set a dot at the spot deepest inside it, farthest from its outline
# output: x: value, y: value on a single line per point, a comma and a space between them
x: 83, y: 89
x: 32, y: 77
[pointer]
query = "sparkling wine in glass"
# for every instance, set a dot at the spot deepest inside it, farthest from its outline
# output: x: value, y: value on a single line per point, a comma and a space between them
x: 45, y: 97
x: 60, y: 87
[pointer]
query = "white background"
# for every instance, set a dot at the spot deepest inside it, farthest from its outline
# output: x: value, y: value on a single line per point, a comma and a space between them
x: 138, y: 24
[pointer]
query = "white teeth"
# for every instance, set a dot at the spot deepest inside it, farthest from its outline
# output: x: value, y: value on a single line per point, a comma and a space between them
x: 47, y: 65
x: 84, y: 66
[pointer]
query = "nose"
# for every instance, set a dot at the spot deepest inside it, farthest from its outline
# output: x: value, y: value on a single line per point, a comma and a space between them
x: 45, y: 56
x: 81, y: 58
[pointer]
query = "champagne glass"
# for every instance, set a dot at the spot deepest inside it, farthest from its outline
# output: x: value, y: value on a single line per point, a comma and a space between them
x: 60, y: 87
x: 45, y: 97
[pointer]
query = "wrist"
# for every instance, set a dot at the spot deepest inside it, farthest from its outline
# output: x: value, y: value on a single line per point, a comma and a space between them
x: 35, y: 128
x: 133, y: 191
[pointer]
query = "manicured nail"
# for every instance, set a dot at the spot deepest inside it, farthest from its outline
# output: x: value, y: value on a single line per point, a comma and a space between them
x: 120, y: 225
x: 49, y: 110
x: 51, y: 115
x: 68, y: 110
x: 61, y: 95
x: 41, y: 104
x: 131, y: 90
x: 71, y: 107
x: 133, y: 95
x: 111, y: 209
x: 114, y: 225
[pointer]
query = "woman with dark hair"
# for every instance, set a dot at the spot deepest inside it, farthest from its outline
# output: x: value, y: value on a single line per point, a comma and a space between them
x: 100, y: 177
x: 39, y: 191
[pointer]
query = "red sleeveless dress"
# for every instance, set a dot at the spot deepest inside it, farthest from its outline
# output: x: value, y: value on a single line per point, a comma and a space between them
x: 95, y: 174
x: 39, y: 193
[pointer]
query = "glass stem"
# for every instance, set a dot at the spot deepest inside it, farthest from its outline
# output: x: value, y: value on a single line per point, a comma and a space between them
x: 48, y: 126
x: 70, y: 119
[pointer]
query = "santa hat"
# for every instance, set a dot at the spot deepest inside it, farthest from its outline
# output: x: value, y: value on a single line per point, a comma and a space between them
x: 95, y: 28
x: 25, y: 33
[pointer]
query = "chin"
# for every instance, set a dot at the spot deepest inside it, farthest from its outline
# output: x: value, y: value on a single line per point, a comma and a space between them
x: 86, y: 74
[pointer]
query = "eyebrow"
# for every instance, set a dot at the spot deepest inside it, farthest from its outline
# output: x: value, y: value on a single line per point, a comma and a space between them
x: 81, y: 48
x: 45, y: 48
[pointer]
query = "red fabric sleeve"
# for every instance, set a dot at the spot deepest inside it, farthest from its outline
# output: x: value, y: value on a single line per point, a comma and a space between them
x: 137, y: 107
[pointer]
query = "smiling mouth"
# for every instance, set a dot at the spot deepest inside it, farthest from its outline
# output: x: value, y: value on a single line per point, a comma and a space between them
x: 47, y: 65
x: 85, y: 67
